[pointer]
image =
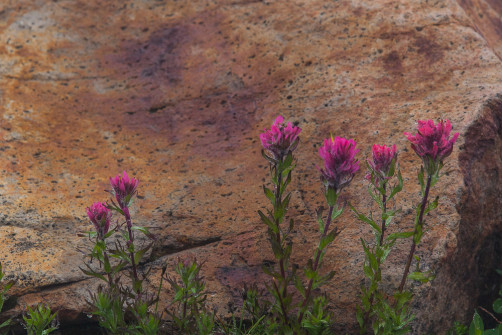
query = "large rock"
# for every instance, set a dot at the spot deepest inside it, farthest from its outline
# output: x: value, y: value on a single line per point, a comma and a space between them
x: 177, y: 92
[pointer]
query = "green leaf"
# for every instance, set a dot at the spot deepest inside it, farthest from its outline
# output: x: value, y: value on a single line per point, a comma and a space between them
x: 370, y: 256
x: 287, y: 250
x: 417, y: 234
x: 269, y: 194
x: 398, y: 188
x: 365, y: 246
x: 286, y: 183
x: 137, y: 285
x: 286, y: 163
x: 368, y: 272
x: 277, y: 249
x: 285, y: 203
x: 326, y: 240
x: 395, y: 236
x: 110, y: 233
x: 271, y: 225
x: 392, y: 168
x: 139, y: 255
x: 331, y: 195
x: 116, y: 208
x: 320, y: 220
x: 364, y: 218
x: 323, y: 280
x: 299, y: 286
x: 375, y: 198
x: 387, y: 247
x: 431, y: 206
x: 420, y: 276
x: 107, y: 265
x: 7, y: 286
x: 373, y: 262
x: 336, y: 213
x: 270, y: 159
x: 309, y: 273
x: 144, y: 230
x: 421, y: 179
x: 477, y: 327
x: 435, y: 176
x: 360, y: 316
x: 497, y: 306
x: 291, y: 225
x: 5, y: 323
x: 279, y: 212
x: 93, y: 274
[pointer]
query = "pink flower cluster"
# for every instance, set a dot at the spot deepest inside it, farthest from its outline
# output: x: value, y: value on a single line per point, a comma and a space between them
x: 100, y: 216
x: 432, y: 142
x: 280, y: 139
x: 381, y: 161
x: 340, y: 164
x: 124, y: 189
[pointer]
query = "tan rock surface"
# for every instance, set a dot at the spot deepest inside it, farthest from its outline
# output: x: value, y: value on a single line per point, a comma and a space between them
x: 177, y: 92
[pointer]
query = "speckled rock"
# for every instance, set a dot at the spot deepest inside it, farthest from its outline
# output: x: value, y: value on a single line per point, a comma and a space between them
x: 177, y: 92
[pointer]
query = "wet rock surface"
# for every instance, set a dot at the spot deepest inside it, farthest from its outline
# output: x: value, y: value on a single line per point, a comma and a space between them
x: 177, y: 92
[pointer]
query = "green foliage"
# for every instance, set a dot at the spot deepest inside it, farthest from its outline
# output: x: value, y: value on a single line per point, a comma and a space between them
x: 40, y: 321
x: 253, y: 318
x: 280, y: 242
x: 109, y: 309
x: 457, y: 329
x: 188, y: 310
x: 317, y: 321
x: 121, y: 308
x: 477, y: 326
x: 146, y: 323
x: 392, y: 318
x: 309, y: 318
x: 3, y: 290
x: 377, y: 311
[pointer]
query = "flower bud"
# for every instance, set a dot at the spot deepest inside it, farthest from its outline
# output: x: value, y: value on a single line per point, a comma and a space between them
x: 340, y: 164
x: 432, y: 143
x: 100, y: 216
x: 382, y: 158
x: 280, y: 139
x: 124, y: 189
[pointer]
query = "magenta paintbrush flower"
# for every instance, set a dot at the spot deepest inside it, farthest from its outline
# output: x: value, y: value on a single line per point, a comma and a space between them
x: 124, y: 189
x: 340, y: 164
x: 381, y: 160
x: 432, y: 143
x: 100, y: 216
x: 280, y: 139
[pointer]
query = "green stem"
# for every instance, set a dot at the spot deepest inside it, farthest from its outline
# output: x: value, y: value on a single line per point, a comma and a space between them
x: 314, y: 267
x: 380, y: 243
x: 131, y: 240
x: 420, y: 222
x: 278, y: 202
x: 384, y: 202
x: 109, y: 275
x: 158, y: 292
x: 282, y: 284
x: 281, y: 302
